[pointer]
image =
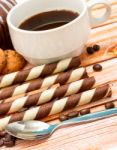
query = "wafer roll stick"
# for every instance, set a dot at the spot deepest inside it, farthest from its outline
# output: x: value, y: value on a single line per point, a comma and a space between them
x: 62, y: 78
x: 58, y: 106
x: 36, y: 72
x: 43, y: 97
x: 11, y: 99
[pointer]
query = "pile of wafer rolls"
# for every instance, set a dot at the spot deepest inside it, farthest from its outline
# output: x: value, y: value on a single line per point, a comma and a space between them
x: 47, y: 90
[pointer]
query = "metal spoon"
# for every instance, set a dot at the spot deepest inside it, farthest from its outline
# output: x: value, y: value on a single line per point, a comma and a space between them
x: 31, y: 130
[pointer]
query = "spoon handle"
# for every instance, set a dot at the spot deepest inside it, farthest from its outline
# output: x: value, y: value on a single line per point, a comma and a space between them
x: 90, y: 117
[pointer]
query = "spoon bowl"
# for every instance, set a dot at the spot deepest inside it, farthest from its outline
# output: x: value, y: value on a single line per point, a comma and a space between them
x: 30, y: 129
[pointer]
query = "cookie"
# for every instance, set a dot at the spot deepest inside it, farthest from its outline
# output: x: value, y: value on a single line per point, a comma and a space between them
x: 14, y: 62
x: 2, y: 60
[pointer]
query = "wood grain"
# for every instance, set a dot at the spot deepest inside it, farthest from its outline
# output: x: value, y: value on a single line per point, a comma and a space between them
x: 98, y: 135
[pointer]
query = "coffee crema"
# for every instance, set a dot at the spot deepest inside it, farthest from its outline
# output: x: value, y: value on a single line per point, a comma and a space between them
x: 48, y: 20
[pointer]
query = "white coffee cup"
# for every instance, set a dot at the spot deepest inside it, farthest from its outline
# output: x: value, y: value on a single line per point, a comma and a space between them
x: 40, y: 47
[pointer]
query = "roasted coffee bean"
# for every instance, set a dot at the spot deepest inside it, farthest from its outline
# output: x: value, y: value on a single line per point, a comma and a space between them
x: 63, y: 117
x: 109, y: 105
x: 85, y: 111
x: 9, y: 140
x: 2, y: 134
x: 73, y: 114
x: 90, y: 50
x: 8, y: 137
x: 1, y: 142
x: 9, y: 143
x: 97, y: 67
x: 96, y: 47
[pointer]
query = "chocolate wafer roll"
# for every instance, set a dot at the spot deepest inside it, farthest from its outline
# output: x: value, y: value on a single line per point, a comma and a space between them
x: 36, y: 72
x: 62, y: 78
x: 11, y: 99
x: 58, y: 106
x: 47, y: 95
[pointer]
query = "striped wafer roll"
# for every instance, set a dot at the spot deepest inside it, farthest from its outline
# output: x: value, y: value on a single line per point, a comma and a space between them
x: 36, y: 72
x: 58, y: 106
x: 47, y: 95
x: 62, y: 78
x: 11, y: 99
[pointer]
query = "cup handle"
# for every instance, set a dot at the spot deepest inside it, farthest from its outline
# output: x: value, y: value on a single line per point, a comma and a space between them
x: 96, y: 21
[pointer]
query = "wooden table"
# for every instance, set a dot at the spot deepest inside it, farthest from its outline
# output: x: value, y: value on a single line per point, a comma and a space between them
x: 98, y: 135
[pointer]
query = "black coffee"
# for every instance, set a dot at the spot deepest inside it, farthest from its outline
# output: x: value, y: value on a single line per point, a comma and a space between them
x: 48, y: 20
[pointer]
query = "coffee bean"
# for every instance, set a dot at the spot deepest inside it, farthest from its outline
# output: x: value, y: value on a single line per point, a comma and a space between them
x: 1, y: 142
x: 90, y: 50
x: 97, y: 67
x: 73, y: 114
x: 96, y: 47
x: 63, y: 117
x: 9, y: 140
x: 2, y: 133
x: 109, y: 105
x: 9, y: 143
x: 8, y: 137
x: 85, y: 111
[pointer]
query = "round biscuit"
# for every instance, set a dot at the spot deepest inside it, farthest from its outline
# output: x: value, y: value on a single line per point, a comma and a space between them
x: 15, y: 62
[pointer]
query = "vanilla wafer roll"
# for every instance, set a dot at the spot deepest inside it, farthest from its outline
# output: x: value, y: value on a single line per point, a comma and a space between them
x: 36, y: 72
x: 47, y: 95
x: 11, y: 99
x: 62, y: 78
x: 58, y: 106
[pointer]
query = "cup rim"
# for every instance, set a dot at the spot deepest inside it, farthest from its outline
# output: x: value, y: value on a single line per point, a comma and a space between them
x: 10, y: 24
